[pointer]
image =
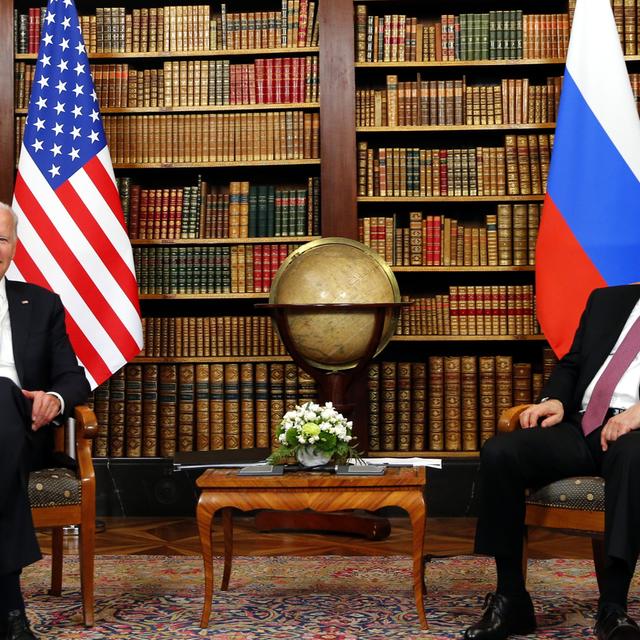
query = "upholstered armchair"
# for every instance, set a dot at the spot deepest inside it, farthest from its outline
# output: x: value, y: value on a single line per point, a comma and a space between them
x: 60, y: 497
x: 574, y: 505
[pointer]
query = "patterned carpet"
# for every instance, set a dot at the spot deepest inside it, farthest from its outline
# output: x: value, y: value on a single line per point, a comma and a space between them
x: 294, y: 598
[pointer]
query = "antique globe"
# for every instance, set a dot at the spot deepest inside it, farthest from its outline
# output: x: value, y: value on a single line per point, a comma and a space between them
x: 334, y: 293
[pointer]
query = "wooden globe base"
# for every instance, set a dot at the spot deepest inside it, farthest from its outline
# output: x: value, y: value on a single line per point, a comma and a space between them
x: 335, y: 387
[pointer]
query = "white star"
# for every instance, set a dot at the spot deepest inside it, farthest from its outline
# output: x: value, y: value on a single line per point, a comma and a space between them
x: 43, y: 82
x: 79, y: 90
x: 54, y: 171
x: 46, y: 61
x: 94, y: 115
x: 66, y: 23
x: 59, y: 108
x: 47, y: 39
x: 77, y: 111
x: 64, y: 45
x: 41, y: 102
x: 94, y: 95
x: 63, y: 65
x: 56, y: 150
x: 57, y: 128
x: 51, y: 17
x: 93, y: 136
x: 37, y: 145
x: 75, y: 132
x: 79, y: 69
x: 80, y: 48
x: 39, y: 124
x: 75, y: 154
x: 67, y: 3
x: 61, y: 86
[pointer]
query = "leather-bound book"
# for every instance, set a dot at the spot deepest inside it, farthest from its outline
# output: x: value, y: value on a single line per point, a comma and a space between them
x: 133, y: 410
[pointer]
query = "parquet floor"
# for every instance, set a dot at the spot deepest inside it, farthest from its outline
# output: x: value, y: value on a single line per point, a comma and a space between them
x: 178, y: 536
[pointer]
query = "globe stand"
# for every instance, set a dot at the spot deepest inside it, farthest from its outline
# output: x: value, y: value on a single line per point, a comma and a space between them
x: 333, y: 386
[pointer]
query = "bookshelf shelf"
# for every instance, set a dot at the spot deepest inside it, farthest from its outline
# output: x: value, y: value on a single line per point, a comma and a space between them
x: 463, y: 269
x: 532, y: 198
x: 203, y: 241
x: 209, y: 53
x: 441, y: 338
x: 231, y: 163
x: 210, y: 359
x: 203, y: 296
x: 462, y: 63
x: 468, y: 127
x: 206, y: 108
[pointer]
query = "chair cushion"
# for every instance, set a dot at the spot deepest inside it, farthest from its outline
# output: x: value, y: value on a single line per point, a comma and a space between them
x: 53, y: 488
x: 585, y: 493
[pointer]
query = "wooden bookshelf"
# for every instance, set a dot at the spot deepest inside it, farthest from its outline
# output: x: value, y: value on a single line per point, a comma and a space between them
x: 171, y: 200
x: 458, y: 108
x: 461, y: 128
x: 287, y: 106
x: 410, y: 199
x: 212, y: 53
x: 341, y: 208
x: 206, y: 241
x: 458, y: 338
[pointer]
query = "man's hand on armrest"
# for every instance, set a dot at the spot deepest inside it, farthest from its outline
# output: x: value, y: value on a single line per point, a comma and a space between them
x: 550, y: 411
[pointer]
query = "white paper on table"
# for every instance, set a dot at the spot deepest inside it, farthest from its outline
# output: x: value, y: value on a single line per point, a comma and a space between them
x: 433, y: 463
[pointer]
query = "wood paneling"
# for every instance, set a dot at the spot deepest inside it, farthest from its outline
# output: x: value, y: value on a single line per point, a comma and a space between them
x: 7, y: 124
x: 337, y: 121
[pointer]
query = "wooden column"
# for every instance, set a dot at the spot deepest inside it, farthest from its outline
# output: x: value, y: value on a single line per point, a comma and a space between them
x: 337, y: 119
x: 7, y: 119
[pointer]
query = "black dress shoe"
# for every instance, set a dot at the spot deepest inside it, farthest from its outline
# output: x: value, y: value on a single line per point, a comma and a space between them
x: 17, y: 627
x: 614, y: 624
x: 502, y: 617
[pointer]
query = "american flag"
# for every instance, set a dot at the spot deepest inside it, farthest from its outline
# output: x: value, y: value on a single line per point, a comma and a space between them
x: 71, y: 232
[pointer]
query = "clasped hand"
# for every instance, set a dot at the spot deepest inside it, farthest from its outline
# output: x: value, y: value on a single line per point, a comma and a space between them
x: 45, y: 407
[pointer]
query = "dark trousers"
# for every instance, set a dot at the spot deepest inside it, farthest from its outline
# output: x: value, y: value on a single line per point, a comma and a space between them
x: 513, y: 462
x: 18, y: 544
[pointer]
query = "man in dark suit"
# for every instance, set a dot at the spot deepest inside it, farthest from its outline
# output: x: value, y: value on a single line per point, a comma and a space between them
x: 40, y: 381
x: 587, y: 423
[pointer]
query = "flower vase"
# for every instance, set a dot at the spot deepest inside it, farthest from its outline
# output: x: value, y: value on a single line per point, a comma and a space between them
x: 309, y: 456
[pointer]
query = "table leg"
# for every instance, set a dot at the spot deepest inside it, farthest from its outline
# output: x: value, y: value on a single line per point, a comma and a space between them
x: 418, y: 514
x: 227, y: 528
x: 204, y: 518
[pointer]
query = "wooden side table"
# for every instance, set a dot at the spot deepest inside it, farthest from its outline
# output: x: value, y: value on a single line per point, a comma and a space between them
x: 224, y: 489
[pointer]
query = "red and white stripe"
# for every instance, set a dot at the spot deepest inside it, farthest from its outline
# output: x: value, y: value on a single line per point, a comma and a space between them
x: 72, y: 240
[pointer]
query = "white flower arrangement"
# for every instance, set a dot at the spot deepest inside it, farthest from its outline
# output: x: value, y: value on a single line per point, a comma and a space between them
x: 318, y: 426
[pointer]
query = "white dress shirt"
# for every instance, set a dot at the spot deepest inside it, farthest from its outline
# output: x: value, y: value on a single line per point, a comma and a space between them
x: 7, y: 361
x: 626, y: 392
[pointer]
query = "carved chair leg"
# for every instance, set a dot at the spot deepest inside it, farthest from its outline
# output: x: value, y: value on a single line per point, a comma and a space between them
x: 56, y: 561
x: 87, y: 553
x: 597, y: 546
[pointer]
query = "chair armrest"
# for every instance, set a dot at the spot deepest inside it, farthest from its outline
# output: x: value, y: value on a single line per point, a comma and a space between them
x: 86, y: 422
x: 510, y: 418
x: 86, y: 430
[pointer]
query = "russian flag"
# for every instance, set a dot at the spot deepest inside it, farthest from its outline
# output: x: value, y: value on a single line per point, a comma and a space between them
x: 590, y: 228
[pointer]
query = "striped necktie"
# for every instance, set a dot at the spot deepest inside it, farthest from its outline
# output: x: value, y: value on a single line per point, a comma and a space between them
x: 603, y: 390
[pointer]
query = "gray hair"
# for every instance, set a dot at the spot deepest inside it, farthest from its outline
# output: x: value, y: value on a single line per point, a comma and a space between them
x: 14, y: 216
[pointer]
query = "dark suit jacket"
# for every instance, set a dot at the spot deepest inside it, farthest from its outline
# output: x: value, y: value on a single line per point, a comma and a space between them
x: 602, y: 321
x: 42, y: 352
